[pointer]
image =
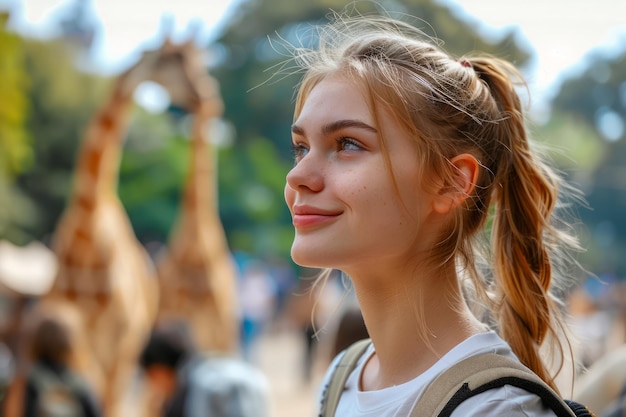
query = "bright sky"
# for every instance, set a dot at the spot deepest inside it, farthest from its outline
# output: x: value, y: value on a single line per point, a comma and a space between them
x: 561, y: 31
x: 125, y: 26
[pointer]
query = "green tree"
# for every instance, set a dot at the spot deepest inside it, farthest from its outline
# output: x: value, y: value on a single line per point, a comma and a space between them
x: 597, y: 97
x: 16, y: 210
x: 61, y: 99
x: 573, y: 144
x: 152, y: 174
x: 15, y: 148
x: 252, y: 180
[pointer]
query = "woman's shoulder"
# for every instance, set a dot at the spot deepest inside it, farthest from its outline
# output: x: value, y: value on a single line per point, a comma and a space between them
x: 505, y: 400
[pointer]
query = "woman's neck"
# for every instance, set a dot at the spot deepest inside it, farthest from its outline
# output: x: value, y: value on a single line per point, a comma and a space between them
x: 413, y: 320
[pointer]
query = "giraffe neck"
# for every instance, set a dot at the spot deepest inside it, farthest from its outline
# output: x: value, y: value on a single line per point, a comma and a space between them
x: 100, y: 153
x: 95, y: 179
x: 200, y: 194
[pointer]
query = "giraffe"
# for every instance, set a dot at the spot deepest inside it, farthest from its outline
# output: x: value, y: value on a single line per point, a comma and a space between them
x: 104, y: 272
x: 197, y: 277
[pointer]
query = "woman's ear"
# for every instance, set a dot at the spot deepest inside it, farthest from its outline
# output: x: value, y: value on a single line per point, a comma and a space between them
x: 465, y: 173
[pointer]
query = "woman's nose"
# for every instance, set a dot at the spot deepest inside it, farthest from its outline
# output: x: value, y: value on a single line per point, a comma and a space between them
x: 307, y: 174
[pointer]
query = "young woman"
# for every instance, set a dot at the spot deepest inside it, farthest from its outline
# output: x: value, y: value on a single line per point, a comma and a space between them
x: 407, y: 161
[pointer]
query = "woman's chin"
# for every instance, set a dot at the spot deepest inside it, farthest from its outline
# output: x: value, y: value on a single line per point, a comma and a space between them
x: 310, y: 258
x: 302, y: 260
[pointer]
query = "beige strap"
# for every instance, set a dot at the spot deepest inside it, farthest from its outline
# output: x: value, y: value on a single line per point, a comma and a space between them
x: 478, y: 371
x: 340, y: 375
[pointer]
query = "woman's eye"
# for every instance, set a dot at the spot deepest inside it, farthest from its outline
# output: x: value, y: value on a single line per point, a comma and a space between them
x: 299, y: 151
x: 348, y: 144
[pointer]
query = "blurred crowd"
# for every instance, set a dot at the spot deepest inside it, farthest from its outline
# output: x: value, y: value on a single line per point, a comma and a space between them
x: 175, y: 378
x: 597, y: 314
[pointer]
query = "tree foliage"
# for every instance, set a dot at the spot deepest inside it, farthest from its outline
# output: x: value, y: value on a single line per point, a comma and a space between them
x: 16, y: 210
x: 14, y: 141
x: 61, y: 99
x: 152, y: 172
x: 252, y: 181
x: 598, y: 94
x: 597, y: 98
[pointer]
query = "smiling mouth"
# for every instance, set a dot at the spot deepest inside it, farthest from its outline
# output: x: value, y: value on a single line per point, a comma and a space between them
x: 311, y: 220
x: 304, y: 217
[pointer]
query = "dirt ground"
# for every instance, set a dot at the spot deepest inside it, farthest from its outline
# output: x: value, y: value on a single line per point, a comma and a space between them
x: 279, y: 354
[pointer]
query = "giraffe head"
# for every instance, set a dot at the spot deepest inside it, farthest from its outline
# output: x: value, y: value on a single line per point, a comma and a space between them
x: 180, y: 70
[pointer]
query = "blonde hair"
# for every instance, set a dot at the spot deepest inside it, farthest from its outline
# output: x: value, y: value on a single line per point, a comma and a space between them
x: 465, y: 105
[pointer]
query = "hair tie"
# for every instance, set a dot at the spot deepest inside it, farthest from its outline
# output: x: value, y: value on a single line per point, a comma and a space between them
x: 465, y: 63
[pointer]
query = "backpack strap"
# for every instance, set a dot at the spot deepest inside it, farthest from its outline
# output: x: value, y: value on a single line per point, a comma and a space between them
x: 340, y: 375
x: 478, y: 374
x: 471, y: 376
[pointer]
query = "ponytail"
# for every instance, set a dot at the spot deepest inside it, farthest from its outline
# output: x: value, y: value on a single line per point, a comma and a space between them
x: 525, y: 193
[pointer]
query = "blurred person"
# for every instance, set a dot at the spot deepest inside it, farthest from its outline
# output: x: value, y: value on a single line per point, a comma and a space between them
x: 257, y: 298
x: 300, y: 313
x: 285, y: 279
x: 7, y: 368
x: 312, y: 309
x: 603, y: 385
x: 405, y: 156
x: 183, y: 382
x: 52, y: 387
x: 167, y: 352
x: 590, y: 320
x: 351, y: 328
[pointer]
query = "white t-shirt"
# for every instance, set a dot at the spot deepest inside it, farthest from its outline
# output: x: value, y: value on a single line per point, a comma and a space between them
x: 397, y: 401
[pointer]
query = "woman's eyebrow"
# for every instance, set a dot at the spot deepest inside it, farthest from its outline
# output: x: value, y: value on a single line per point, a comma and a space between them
x: 341, y: 124
x: 335, y: 126
x: 297, y: 130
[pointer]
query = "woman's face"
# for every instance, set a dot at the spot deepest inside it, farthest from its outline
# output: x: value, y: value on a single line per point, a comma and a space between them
x: 345, y: 209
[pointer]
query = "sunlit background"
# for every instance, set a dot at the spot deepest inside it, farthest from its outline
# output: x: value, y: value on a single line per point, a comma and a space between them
x: 570, y: 52
x: 560, y: 33
x: 64, y: 56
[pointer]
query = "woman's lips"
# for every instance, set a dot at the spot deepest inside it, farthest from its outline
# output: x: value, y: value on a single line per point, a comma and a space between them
x: 307, y: 216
